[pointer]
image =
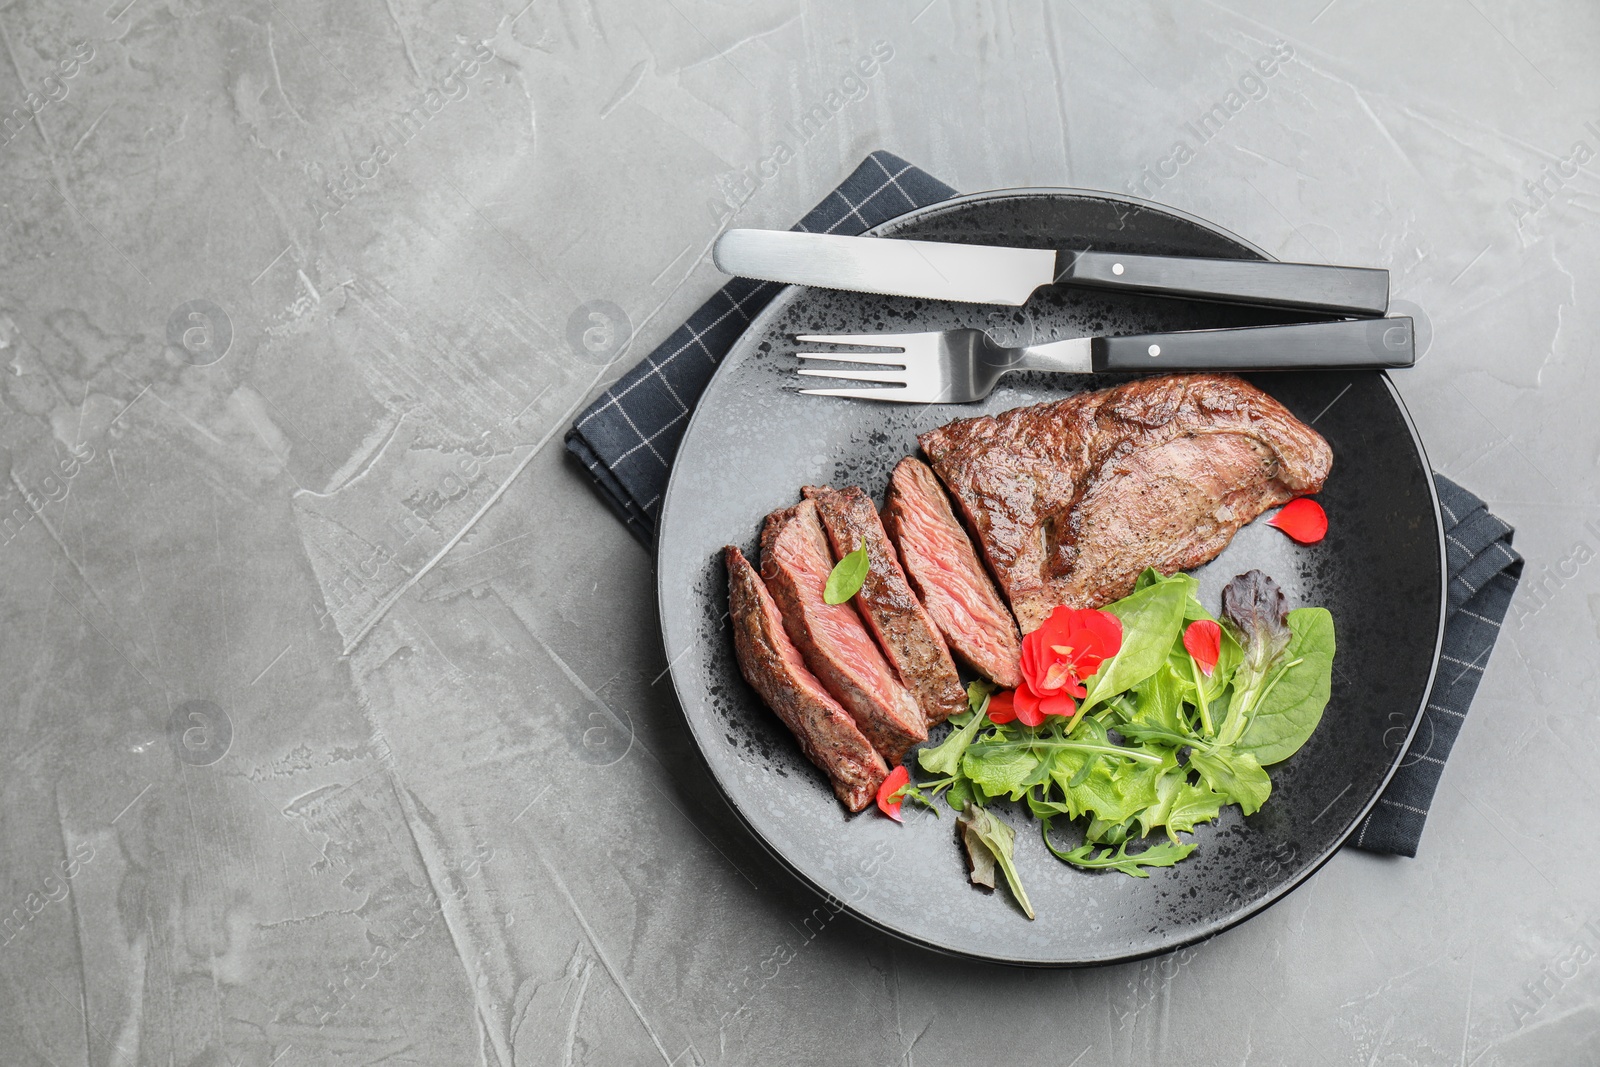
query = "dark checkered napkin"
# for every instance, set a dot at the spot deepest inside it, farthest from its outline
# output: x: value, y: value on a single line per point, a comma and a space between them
x: 626, y: 439
x: 1483, y: 572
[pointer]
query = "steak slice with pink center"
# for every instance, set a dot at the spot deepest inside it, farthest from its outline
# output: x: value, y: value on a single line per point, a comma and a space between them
x: 945, y: 572
x: 773, y: 666
x: 892, y: 611
x: 795, y: 564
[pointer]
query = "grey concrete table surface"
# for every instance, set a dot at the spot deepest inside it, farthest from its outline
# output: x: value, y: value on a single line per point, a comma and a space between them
x: 334, y: 723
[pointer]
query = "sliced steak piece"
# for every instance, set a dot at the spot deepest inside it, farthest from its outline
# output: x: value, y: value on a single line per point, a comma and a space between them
x: 945, y: 571
x: 891, y: 610
x: 773, y: 667
x: 795, y: 564
x: 1071, y: 500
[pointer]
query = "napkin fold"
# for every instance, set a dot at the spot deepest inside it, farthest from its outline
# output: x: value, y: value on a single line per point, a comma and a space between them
x: 627, y: 438
x: 1484, y: 571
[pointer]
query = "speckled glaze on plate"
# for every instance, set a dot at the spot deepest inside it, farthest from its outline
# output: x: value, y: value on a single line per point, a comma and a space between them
x: 753, y: 442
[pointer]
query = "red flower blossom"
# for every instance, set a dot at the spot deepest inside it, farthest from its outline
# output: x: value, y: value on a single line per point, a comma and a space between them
x: 892, y: 785
x: 1302, y: 519
x: 1203, y: 640
x: 1056, y: 659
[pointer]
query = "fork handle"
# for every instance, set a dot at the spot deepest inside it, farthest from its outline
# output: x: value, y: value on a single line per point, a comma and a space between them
x: 1314, y: 286
x: 1299, y: 346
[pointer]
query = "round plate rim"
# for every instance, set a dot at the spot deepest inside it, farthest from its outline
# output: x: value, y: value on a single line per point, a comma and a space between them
x: 1198, y: 934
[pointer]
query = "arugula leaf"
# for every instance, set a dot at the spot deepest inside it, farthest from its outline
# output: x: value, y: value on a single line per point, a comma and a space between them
x: 847, y: 576
x: 960, y: 793
x: 1193, y: 805
x: 1091, y: 774
x: 1286, y: 714
x: 1238, y: 775
x: 1152, y: 619
x: 1180, y: 807
x: 1163, y: 854
x: 911, y: 791
x: 989, y: 843
x: 1168, y: 784
x: 978, y: 691
x: 1000, y: 768
x: 1104, y: 832
x: 1159, y: 704
x: 945, y: 757
x: 1113, y: 793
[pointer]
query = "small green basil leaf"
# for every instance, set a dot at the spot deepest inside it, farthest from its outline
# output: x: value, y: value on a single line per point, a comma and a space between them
x: 847, y: 576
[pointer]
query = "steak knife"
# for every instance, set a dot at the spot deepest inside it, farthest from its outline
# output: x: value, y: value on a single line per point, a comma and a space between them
x: 987, y: 274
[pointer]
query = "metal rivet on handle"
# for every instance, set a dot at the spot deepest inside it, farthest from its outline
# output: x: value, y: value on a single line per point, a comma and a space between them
x: 1116, y: 268
x: 1155, y: 350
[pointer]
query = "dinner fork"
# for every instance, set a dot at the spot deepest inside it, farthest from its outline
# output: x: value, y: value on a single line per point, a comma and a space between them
x: 960, y: 366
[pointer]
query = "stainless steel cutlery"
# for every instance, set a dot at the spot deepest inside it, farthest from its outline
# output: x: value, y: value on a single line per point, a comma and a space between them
x: 987, y: 274
x: 959, y: 366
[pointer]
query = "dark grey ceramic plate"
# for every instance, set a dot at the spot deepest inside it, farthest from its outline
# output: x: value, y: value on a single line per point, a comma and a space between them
x: 753, y: 442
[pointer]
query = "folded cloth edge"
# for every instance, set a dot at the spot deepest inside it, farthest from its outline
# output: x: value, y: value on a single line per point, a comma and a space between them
x: 1482, y: 570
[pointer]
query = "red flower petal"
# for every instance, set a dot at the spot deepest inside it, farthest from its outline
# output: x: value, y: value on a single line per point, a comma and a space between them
x: 1060, y: 704
x: 1302, y: 519
x: 1031, y: 647
x: 1057, y: 627
x: 1203, y: 639
x: 1107, y: 628
x: 1058, y: 675
x: 1028, y: 713
x: 1001, y: 707
x: 892, y: 785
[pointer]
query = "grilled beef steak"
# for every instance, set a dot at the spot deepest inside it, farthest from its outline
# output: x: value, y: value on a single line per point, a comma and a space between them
x: 1071, y: 500
x: 795, y: 565
x: 946, y: 573
x: 773, y: 667
x: 892, y: 612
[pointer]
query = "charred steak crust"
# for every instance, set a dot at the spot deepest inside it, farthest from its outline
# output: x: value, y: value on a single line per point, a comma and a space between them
x: 945, y: 572
x: 892, y: 612
x: 795, y: 563
x: 774, y: 668
x: 1071, y: 500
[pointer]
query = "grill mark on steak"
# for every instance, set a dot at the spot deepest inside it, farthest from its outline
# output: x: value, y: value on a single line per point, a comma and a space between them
x: 772, y: 665
x: 795, y: 564
x: 945, y: 571
x: 1072, y: 499
x: 892, y: 612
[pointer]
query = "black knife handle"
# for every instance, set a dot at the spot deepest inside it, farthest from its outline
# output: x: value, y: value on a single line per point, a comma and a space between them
x: 1350, y: 290
x: 1299, y: 346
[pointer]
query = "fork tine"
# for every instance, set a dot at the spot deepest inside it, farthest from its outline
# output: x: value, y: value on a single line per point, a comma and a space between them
x: 898, y: 395
x: 887, y: 376
x: 882, y: 359
x: 880, y: 340
x: 911, y: 394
